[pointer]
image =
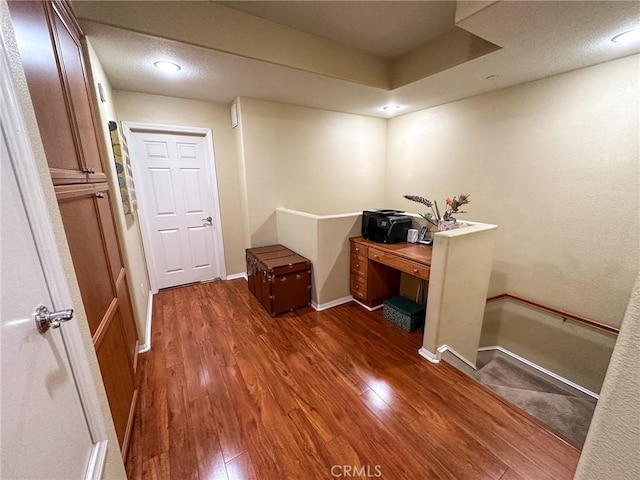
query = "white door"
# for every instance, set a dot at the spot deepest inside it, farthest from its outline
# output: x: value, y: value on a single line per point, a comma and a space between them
x: 44, y: 430
x: 50, y: 420
x: 175, y: 176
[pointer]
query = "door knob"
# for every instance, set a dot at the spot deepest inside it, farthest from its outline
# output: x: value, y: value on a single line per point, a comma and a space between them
x: 46, y: 319
x: 208, y: 219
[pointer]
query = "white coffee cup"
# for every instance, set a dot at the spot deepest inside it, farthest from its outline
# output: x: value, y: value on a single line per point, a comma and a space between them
x: 412, y: 235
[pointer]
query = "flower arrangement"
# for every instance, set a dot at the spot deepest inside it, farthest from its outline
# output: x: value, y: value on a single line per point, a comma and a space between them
x: 433, y: 217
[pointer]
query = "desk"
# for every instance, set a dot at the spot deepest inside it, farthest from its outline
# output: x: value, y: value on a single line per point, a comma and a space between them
x: 376, y: 268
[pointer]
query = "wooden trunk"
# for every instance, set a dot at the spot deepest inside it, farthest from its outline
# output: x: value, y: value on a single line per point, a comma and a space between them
x: 279, y: 278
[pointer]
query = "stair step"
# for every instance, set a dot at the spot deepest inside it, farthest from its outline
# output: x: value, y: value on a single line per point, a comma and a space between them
x: 507, y: 372
x: 565, y: 411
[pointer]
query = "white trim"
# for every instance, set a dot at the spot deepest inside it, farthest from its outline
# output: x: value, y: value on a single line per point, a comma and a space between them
x: 371, y: 309
x: 541, y: 369
x: 97, y: 460
x: 146, y: 346
x: 317, y: 217
x: 238, y: 275
x: 446, y: 348
x: 333, y: 303
x: 19, y: 146
x: 432, y: 357
x: 128, y: 129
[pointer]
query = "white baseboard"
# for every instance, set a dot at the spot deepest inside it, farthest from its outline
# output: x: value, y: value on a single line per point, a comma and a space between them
x: 371, y: 309
x: 540, y: 369
x: 432, y: 357
x: 447, y: 348
x: 146, y: 346
x: 238, y: 275
x: 333, y: 303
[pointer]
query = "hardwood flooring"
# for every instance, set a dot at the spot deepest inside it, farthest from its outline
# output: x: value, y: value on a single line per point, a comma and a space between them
x: 228, y: 392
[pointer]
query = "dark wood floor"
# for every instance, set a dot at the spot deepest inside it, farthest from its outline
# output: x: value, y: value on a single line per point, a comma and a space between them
x: 229, y: 392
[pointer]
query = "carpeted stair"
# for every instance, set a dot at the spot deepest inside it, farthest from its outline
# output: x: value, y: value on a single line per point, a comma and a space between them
x: 563, y: 409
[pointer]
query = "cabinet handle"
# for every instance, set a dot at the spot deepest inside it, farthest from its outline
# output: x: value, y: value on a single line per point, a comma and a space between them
x: 89, y: 170
x: 357, y: 286
x: 100, y: 194
x: 375, y: 256
x: 357, y: 249
x: 415, y: 270
x: 357, y: 265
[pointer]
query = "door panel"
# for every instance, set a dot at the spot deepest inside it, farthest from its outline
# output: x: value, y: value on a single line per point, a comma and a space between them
x: 177, y: 200
x: 116, y: 373
x: 128, y: 322
x: 70, y: 52
x: 80, y: 213
x: 45, y: 85
x: 108, y: 228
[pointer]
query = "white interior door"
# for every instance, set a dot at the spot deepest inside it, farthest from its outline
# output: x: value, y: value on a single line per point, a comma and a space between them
x: 44, y: 430
x: 175, y: 176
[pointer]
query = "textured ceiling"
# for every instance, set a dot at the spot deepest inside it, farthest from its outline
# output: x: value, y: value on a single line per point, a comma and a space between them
x: 388, y: 29
x: 537, y: 39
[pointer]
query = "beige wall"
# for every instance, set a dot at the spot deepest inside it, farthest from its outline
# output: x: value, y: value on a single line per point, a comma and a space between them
x: 572, y: 350
x: 554, y: 163
x: 324, y: 241
x: 311, y: 160
x: 299, y: 232
x: 612, y: 444
x: 127, y: 225
x: 460, y: 271
x: 139, y: 107
x: 114, y: 467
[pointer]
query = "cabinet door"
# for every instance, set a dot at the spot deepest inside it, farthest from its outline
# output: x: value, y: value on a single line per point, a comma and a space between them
x: 117, y: 377
x: 67, y: 36
x: 81, y: 218
x: 112, y: 249
x: 48, y: 41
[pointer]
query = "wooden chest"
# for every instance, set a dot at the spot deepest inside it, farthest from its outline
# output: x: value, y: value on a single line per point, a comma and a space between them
x: 279, y: 278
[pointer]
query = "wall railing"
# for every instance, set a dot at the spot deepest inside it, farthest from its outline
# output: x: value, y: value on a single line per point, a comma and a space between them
x: 560, y: 313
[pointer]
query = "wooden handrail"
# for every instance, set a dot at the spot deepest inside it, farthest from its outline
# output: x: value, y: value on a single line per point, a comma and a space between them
x: 561, y: 313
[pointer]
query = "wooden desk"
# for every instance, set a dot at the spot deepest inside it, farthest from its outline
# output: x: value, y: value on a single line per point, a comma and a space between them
x: 376, y: 268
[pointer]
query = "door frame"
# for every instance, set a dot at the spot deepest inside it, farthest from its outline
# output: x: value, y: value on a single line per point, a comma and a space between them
x: 26, y: 170
x: 128, y: 129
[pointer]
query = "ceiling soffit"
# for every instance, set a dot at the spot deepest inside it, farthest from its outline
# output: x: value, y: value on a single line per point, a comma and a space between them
x: 213, y: 26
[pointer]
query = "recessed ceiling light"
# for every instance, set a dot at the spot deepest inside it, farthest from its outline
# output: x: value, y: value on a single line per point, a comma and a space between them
x: 626, y: 38
x: 167, y: 66
x: 391, y: 108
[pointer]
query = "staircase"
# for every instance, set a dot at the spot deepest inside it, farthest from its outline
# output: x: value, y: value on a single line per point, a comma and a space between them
x: 563, y: 409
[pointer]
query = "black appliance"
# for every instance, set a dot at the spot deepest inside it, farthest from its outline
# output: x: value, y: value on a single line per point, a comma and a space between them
x: 385, y: 226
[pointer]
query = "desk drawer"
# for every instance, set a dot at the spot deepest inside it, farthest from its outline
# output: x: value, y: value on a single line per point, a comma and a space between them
x: 358, y: 287
x: 359, y: 265
x: 400, y: 263
x: 359, y: 249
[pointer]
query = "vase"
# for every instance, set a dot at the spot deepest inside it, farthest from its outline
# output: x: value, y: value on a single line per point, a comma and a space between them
x: 444, y: 225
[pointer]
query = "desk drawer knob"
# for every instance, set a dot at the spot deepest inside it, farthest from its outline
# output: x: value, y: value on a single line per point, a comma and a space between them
x: 357, y: 249
x: 357, y: 265
x: 375, y: 256
x: 415, y: 270
x: 357, y: 286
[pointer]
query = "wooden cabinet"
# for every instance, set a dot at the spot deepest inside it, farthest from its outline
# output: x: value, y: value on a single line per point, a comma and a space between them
x: 371, y: 282
x: 376, y: 268
x: 49, y: 44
